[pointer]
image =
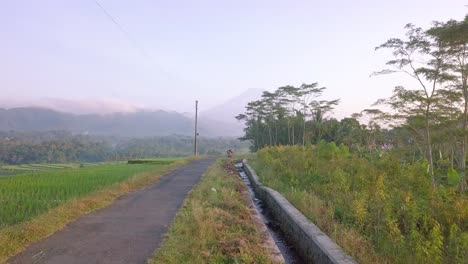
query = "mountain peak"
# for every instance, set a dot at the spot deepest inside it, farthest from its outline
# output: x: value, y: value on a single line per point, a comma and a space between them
x: 232, y: 107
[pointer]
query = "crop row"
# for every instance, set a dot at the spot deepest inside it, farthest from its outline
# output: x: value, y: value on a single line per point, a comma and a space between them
x: 26, y: 195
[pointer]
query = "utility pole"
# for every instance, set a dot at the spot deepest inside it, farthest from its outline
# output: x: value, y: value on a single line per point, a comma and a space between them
x: 196, y: 129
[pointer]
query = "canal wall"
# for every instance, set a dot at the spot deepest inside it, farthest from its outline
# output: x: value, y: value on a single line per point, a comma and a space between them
x: 310, y: 242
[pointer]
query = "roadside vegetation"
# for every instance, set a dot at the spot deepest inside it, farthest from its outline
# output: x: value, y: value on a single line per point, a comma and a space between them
x: 35, y: 206
x: 215, y: 224
x: 378, y: 210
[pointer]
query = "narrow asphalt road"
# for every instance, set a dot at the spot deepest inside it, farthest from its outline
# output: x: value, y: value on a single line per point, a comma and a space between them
x: 128, y: 231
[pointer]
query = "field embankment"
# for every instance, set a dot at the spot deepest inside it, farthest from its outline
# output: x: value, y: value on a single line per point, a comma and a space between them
x: 35, y: 206
x: 9, y: 170
x: 376, y: 209
x: 215, y: 224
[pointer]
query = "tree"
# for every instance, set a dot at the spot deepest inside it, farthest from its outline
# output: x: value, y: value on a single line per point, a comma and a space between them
x: 265, y: 118
x: 318, y: 109
x: 428, y: 75
x: 453, y: 36
x: 305, y: 94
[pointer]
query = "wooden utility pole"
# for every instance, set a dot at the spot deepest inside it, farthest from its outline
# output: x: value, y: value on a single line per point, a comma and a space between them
x: 195, y: 151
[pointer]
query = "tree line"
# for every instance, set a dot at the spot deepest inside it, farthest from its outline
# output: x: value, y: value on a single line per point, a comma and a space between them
x: 64, y: 147
x: 425, y: 121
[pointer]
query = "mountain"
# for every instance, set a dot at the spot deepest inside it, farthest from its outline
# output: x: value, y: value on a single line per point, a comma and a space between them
x: 34, y: 118
x: 217, y: 121
x: 75, y: 106
x: 224, y: 114
x: 232, y: 107
x: 136, y: 124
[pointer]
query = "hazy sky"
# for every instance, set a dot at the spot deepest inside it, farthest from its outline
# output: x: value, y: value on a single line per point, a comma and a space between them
x: 177, y: 51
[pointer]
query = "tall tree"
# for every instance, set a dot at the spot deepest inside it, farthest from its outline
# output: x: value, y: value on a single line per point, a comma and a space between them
x: 453, y: 36
x: 318, y: 109
x: 407, y: 53
x: 306, y: 93
x: 265, y: 118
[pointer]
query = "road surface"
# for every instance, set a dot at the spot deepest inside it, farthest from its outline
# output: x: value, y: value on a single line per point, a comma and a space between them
x: 128, y: 231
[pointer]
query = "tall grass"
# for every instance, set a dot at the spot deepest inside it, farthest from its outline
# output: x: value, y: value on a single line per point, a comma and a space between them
x: 377, y: 208
x: 27, y: 195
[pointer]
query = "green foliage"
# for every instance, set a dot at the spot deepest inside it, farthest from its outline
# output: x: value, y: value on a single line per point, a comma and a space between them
x: 457, y: 245
x: 290, y: 115
x: 60, y: 147
x: 175, y: 146
x: 453, y: 178
x: 395, y: 206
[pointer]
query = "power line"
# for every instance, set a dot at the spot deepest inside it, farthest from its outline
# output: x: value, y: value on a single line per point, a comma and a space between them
x: 138, y: 47
x: 124, y: 32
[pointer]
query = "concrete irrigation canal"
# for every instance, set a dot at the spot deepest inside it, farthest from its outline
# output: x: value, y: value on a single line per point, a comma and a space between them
x: 287, y: 250
x: 299, y: 240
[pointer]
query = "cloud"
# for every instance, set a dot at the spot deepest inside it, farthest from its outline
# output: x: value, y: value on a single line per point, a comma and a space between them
x: 76, y: 106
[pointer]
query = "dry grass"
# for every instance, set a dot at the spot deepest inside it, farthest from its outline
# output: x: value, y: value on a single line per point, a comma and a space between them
x: 215, y: 224
x: 14, y: 239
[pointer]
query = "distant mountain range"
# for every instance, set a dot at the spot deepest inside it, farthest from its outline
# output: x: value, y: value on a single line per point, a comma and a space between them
x: 218, y: 121
x: 137, y: 124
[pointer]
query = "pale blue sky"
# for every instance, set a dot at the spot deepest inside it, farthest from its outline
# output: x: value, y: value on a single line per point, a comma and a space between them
x: 209, y: 50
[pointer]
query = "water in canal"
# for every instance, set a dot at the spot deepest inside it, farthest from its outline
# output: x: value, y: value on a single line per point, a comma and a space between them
x: 288, y: 251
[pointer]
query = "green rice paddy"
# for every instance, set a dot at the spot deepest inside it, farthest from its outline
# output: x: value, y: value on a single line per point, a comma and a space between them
x: 41, y: 187
x: 7, y: 170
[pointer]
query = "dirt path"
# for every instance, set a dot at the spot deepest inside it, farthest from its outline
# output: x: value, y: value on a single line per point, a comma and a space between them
x: 128, y: 231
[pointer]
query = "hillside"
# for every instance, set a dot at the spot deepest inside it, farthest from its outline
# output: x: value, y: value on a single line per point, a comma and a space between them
x: 137, y: 124
x: 217, y: 121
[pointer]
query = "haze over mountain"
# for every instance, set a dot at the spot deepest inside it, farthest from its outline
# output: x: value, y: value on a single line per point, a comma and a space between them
x: 224, y: 114
x: 234, y: 106
x: 122, y: 119
x: 77, y: 106
x: 136, y: 124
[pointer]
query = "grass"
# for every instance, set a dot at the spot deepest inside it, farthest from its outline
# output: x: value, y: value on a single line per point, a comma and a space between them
x: 215, y: 224
x: 94, y: 192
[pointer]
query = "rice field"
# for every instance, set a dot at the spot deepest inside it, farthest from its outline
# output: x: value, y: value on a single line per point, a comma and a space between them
x: 28, y: 194
x: 7, y: 170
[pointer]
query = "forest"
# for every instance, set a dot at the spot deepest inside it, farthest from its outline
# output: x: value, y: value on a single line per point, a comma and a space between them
x: 64, y: 147
x: 394, y: 173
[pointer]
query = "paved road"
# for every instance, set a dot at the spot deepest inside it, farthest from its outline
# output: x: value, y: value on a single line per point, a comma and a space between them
x: 128, y: 231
